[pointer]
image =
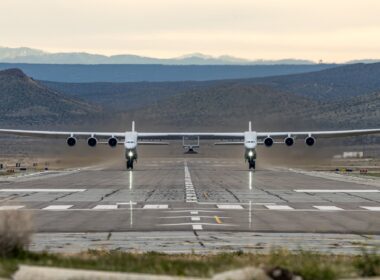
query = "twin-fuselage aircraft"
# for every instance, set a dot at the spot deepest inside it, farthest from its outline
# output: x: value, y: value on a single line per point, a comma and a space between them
x: 131, y: 139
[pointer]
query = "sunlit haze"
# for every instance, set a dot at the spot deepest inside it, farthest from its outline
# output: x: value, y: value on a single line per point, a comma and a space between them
x: 333, y: 31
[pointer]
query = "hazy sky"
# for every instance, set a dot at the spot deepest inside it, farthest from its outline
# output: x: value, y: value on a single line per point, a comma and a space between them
x: 332, y: 30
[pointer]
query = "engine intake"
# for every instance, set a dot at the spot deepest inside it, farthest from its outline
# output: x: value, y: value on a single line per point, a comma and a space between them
x: 92, y: 141
x: 310, y: 141
x: 112, y: 142
x: 71, y: 141
x: 268, y: 142
x: 289, y: 141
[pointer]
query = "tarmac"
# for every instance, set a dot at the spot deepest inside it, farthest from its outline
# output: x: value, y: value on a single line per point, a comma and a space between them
x: 178, y: 205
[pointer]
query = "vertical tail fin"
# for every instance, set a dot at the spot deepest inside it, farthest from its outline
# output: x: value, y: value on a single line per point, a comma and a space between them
x: 133, y: 126
x: 249, y: 126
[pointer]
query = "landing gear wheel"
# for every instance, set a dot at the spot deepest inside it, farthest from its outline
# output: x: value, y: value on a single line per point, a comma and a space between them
x: 129, y: 164
x: 252, y: 164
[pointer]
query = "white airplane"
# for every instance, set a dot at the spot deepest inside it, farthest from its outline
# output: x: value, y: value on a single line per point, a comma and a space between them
x: 131, y: 139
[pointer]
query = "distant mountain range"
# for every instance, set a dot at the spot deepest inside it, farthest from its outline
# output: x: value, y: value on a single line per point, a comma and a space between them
x: 76, y: 73
x: 213, y: 105
x: 28, y: 55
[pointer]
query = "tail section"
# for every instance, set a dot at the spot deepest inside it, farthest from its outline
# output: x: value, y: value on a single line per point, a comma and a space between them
x: 249, y: 126
x: 133, y: 126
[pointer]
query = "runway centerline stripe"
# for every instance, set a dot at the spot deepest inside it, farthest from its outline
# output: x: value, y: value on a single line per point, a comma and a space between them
x: 195, y: 218
x: 11, y: 207
x: 190, y: 195
x: 42, y: 190
x: 328, y: 208
x: 336, y: 191
x: 57, y: 207
x: 197, y: 227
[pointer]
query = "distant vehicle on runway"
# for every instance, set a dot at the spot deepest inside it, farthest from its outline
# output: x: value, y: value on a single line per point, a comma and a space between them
x: 250, y: 139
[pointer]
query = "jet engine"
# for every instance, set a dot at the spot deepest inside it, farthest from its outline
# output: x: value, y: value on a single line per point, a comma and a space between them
x: 92, y: 141
x: 310, y: 141
x: 112, y: 142
x: 71, y: 141
x: 289, y: 141
x: 268, y: 141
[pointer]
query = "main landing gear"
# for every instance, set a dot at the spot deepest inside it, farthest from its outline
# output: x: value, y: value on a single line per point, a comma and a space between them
x: 129, y: 163
x: 252, y: 164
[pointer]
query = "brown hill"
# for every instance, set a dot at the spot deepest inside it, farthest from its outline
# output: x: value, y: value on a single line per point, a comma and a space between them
x: 26, y: 102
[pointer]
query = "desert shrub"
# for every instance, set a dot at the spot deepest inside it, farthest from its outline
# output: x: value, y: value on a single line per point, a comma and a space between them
x: 15, y: 232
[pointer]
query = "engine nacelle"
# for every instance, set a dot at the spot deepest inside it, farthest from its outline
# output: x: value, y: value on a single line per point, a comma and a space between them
x: 268, y: 142
x: 289, y: 141
x: 71, y: 141
x: 92, y: 141
x: 310, y: 141
x: 112, y: 142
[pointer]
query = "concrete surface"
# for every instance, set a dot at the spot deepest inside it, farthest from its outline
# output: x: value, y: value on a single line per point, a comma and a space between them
x: 196, y: 201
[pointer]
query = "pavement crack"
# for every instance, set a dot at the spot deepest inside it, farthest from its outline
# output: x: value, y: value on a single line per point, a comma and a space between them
x: 276, y: 195
x: 198, y: 239
x: 109, y: 194
x: 231, y: 193
x: 62, y: 196
x: 149, y: 194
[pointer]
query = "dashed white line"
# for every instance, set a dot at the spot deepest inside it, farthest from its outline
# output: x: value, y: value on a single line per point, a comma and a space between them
x: 195, y: 218
x: 156, y: 206
x: 371, y: 208
x: 57, y: 207
x: 197, y: 227
x: 229, y: 206
x: 279, y: 207
x: 105, y: 207
x: 328, y: 208
x: 11, y: 207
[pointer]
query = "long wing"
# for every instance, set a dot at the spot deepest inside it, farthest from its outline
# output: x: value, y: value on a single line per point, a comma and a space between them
x: 320, y: 134
x: 180, y: 135
x: 60, y: 134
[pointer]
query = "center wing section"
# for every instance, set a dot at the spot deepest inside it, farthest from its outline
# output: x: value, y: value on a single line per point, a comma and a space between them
x: 179, y: 136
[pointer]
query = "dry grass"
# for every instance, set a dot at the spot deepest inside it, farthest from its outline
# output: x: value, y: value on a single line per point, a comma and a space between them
x: 15, y: 232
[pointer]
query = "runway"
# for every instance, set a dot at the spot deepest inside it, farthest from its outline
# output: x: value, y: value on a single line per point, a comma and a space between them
x: 195, y: 195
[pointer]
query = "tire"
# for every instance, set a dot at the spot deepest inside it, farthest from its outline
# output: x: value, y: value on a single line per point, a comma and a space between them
x: 127, y: 164
x: 131, y: 164
x: 252, y: 164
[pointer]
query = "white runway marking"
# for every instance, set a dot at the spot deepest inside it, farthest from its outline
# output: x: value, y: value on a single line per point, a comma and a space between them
x: 336, y: 191
x: 11, y: 207
x: 328, y: 208
x: 190, y: 195
x: 195, y: 218
x: 279, y: 207
x: 371, y: 208
x: 105, y: 207
x: 57, y: 207
x: 156, y: 206
x: 194, y: 212
x: 42, y: 190
x: 197, y: 227
x: 229, y: 206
